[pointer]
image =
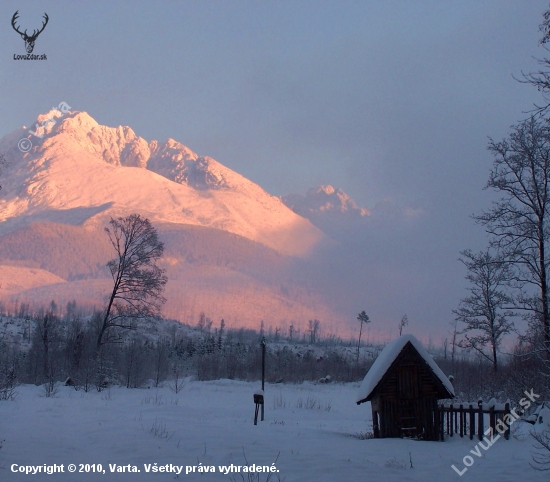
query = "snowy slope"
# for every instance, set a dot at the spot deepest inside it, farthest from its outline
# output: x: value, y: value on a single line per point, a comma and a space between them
x: 209, y: 270
x: 14, y: 279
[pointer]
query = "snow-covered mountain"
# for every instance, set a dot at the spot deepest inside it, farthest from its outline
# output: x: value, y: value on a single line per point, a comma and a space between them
x: 327, y: 208
x: 324, y: 200
x: 81, y: 172
x: 231, y: 247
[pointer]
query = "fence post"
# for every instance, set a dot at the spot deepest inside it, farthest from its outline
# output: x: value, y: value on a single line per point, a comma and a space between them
x: 436, y: 421
x: 472, y: 421
x: 451, y: 416
x: 507, y: 411
x: 442, y: 422
x: 480, y: 420
x: 461, y: 414
x: 456, y: 421
x: 492, y: 419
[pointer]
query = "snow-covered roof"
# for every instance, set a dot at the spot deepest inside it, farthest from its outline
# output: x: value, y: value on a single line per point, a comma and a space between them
x: 387, y: 357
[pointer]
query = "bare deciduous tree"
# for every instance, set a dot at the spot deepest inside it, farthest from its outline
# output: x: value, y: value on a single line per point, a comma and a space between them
x: 520, y: 220
x: 291, y: 331
x: 48, y: 334
x: 138, y: 281
x: 484, y: 310
x: 314, y: 327
x: 361, y: 318
x: 134, y: 358
x: 541, y: 78
x: 161, y: 361
x: 403, y: 323
x: 9, y: 369
x: 454, y: 324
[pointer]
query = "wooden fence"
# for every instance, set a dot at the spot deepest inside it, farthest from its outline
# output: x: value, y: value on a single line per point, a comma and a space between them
x: 468, y: 419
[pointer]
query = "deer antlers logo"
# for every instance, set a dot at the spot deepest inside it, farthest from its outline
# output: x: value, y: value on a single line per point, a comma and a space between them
x: 29, y: 39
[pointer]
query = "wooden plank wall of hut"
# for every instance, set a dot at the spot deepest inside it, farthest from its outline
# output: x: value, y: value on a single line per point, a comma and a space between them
x: 427, y: 387
x: 426, y: 423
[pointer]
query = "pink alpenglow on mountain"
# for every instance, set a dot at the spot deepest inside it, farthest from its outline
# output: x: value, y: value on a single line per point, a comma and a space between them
x: 232, y: 250
x: 80, y: 164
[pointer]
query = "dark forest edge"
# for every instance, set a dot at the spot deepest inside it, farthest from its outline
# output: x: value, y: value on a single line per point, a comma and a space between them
x: 51, y: 346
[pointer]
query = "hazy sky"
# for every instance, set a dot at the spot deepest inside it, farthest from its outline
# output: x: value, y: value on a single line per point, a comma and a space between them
x: 384, y: 99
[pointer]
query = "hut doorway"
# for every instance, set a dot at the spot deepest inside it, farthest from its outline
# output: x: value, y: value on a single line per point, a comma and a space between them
x: 408, y: 389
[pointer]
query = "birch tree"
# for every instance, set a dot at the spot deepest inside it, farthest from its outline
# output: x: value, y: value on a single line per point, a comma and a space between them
x: 138, y: 283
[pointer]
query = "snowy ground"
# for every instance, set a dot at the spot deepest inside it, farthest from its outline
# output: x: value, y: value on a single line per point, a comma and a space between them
x: 211, y: 423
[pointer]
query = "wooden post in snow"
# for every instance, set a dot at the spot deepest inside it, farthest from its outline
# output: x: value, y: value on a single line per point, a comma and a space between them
x: 263, y: 372
x: 507, y: 412
x: 480, y: 420
x: 472, y: 422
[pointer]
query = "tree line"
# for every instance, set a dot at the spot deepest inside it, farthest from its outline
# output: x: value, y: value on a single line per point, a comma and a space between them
x: 63, y: 348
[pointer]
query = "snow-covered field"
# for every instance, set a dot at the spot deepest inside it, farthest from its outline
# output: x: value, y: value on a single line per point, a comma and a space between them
x: 211, y: 423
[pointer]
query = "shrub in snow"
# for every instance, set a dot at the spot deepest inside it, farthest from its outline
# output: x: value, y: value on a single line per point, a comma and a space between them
x: 177, y: 383
x: 159, y: 430
x: 50, y: 388
x: 278, y: 401
x: 254, y: 476
x: 312, y: 403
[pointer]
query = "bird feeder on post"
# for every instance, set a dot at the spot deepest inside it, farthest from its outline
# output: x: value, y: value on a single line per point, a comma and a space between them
x: 259, y: 401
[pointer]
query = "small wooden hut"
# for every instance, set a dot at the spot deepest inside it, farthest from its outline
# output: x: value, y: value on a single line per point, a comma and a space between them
x: 403, y: 386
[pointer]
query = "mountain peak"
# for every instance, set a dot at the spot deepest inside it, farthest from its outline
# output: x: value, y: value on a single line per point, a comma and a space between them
x: 330, y: 209
x: 324, y: 200
x: 328, y: 189
x: 120, y: 146
x: 79, y: 171
x: 71, y: 122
